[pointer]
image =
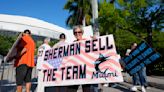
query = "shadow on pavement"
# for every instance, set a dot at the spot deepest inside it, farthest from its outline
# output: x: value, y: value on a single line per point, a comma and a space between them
x: 119, y: 87
x: 123, y: 89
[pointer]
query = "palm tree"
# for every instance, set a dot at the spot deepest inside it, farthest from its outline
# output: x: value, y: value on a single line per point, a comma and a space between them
x: 80, y: 12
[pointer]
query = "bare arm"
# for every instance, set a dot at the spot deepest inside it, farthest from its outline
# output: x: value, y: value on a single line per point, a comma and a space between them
x: 23, y: 51
x: 128, y: 52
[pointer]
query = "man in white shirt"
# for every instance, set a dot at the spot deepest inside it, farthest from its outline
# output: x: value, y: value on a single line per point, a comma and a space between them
x: 44, y: 46
x: 41, y: 51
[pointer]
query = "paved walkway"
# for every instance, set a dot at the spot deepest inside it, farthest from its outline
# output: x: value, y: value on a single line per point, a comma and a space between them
x: 156, y: 82
x: 153, y: 81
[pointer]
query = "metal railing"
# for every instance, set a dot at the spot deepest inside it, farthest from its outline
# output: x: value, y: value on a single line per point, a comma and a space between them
x: 7, y: 78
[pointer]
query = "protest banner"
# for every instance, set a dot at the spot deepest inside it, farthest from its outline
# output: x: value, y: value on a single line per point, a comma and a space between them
x: 13, y: 51
x: 140, y: 57
x: 90, y: 61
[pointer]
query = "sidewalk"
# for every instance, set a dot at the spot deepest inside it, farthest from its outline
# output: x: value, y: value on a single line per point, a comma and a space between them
x: 153, y: 81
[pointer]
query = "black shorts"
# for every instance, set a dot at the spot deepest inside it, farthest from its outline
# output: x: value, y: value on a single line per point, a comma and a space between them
x: 23, y: 74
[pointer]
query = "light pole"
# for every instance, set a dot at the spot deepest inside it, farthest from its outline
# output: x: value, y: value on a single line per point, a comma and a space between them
x: 94, y: 4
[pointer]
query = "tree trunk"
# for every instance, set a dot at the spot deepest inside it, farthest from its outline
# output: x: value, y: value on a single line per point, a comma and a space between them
x: 149, y: 36
x: 150, y: 42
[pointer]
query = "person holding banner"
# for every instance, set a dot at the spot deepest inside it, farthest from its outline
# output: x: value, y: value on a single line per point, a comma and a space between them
x: 62, y: 38
x: 61, y: 42
x: 44, y: 46
x: 139, y: 78
x: 78, y: 33
x: 41, y: 50
x: 25, y: 61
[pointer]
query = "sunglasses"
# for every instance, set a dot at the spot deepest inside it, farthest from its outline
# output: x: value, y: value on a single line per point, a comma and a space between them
x: 78, y: 32
x: 62, y: 37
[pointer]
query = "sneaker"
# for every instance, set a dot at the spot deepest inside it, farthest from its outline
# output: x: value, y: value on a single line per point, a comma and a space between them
x: 147, y: 87
x: 134, y: 88
x: 143, y: 89
x: 106, y: 85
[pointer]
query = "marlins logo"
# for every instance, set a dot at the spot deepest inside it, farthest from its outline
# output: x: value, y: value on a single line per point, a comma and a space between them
x: 100, y: 60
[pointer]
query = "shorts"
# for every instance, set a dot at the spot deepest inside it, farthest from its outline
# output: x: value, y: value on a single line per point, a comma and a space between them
x: 23, y: 74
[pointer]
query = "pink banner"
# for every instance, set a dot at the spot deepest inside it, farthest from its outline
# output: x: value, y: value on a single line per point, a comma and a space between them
x: 90, y: 61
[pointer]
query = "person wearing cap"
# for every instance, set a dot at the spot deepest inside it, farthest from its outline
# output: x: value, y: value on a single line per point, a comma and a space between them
x: 24, y: 61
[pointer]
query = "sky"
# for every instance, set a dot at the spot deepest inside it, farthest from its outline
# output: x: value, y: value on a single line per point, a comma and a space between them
x: 48, y: 10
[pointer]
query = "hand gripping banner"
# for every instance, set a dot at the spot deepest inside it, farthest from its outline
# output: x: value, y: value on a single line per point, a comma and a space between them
x: 89, y: 61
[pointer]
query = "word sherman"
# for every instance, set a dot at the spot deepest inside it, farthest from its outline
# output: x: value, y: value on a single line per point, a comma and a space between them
x: 93, y: 45
x: 62, y: 51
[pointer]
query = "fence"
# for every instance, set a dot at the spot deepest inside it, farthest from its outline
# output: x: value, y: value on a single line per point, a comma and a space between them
x: 7, y: 78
